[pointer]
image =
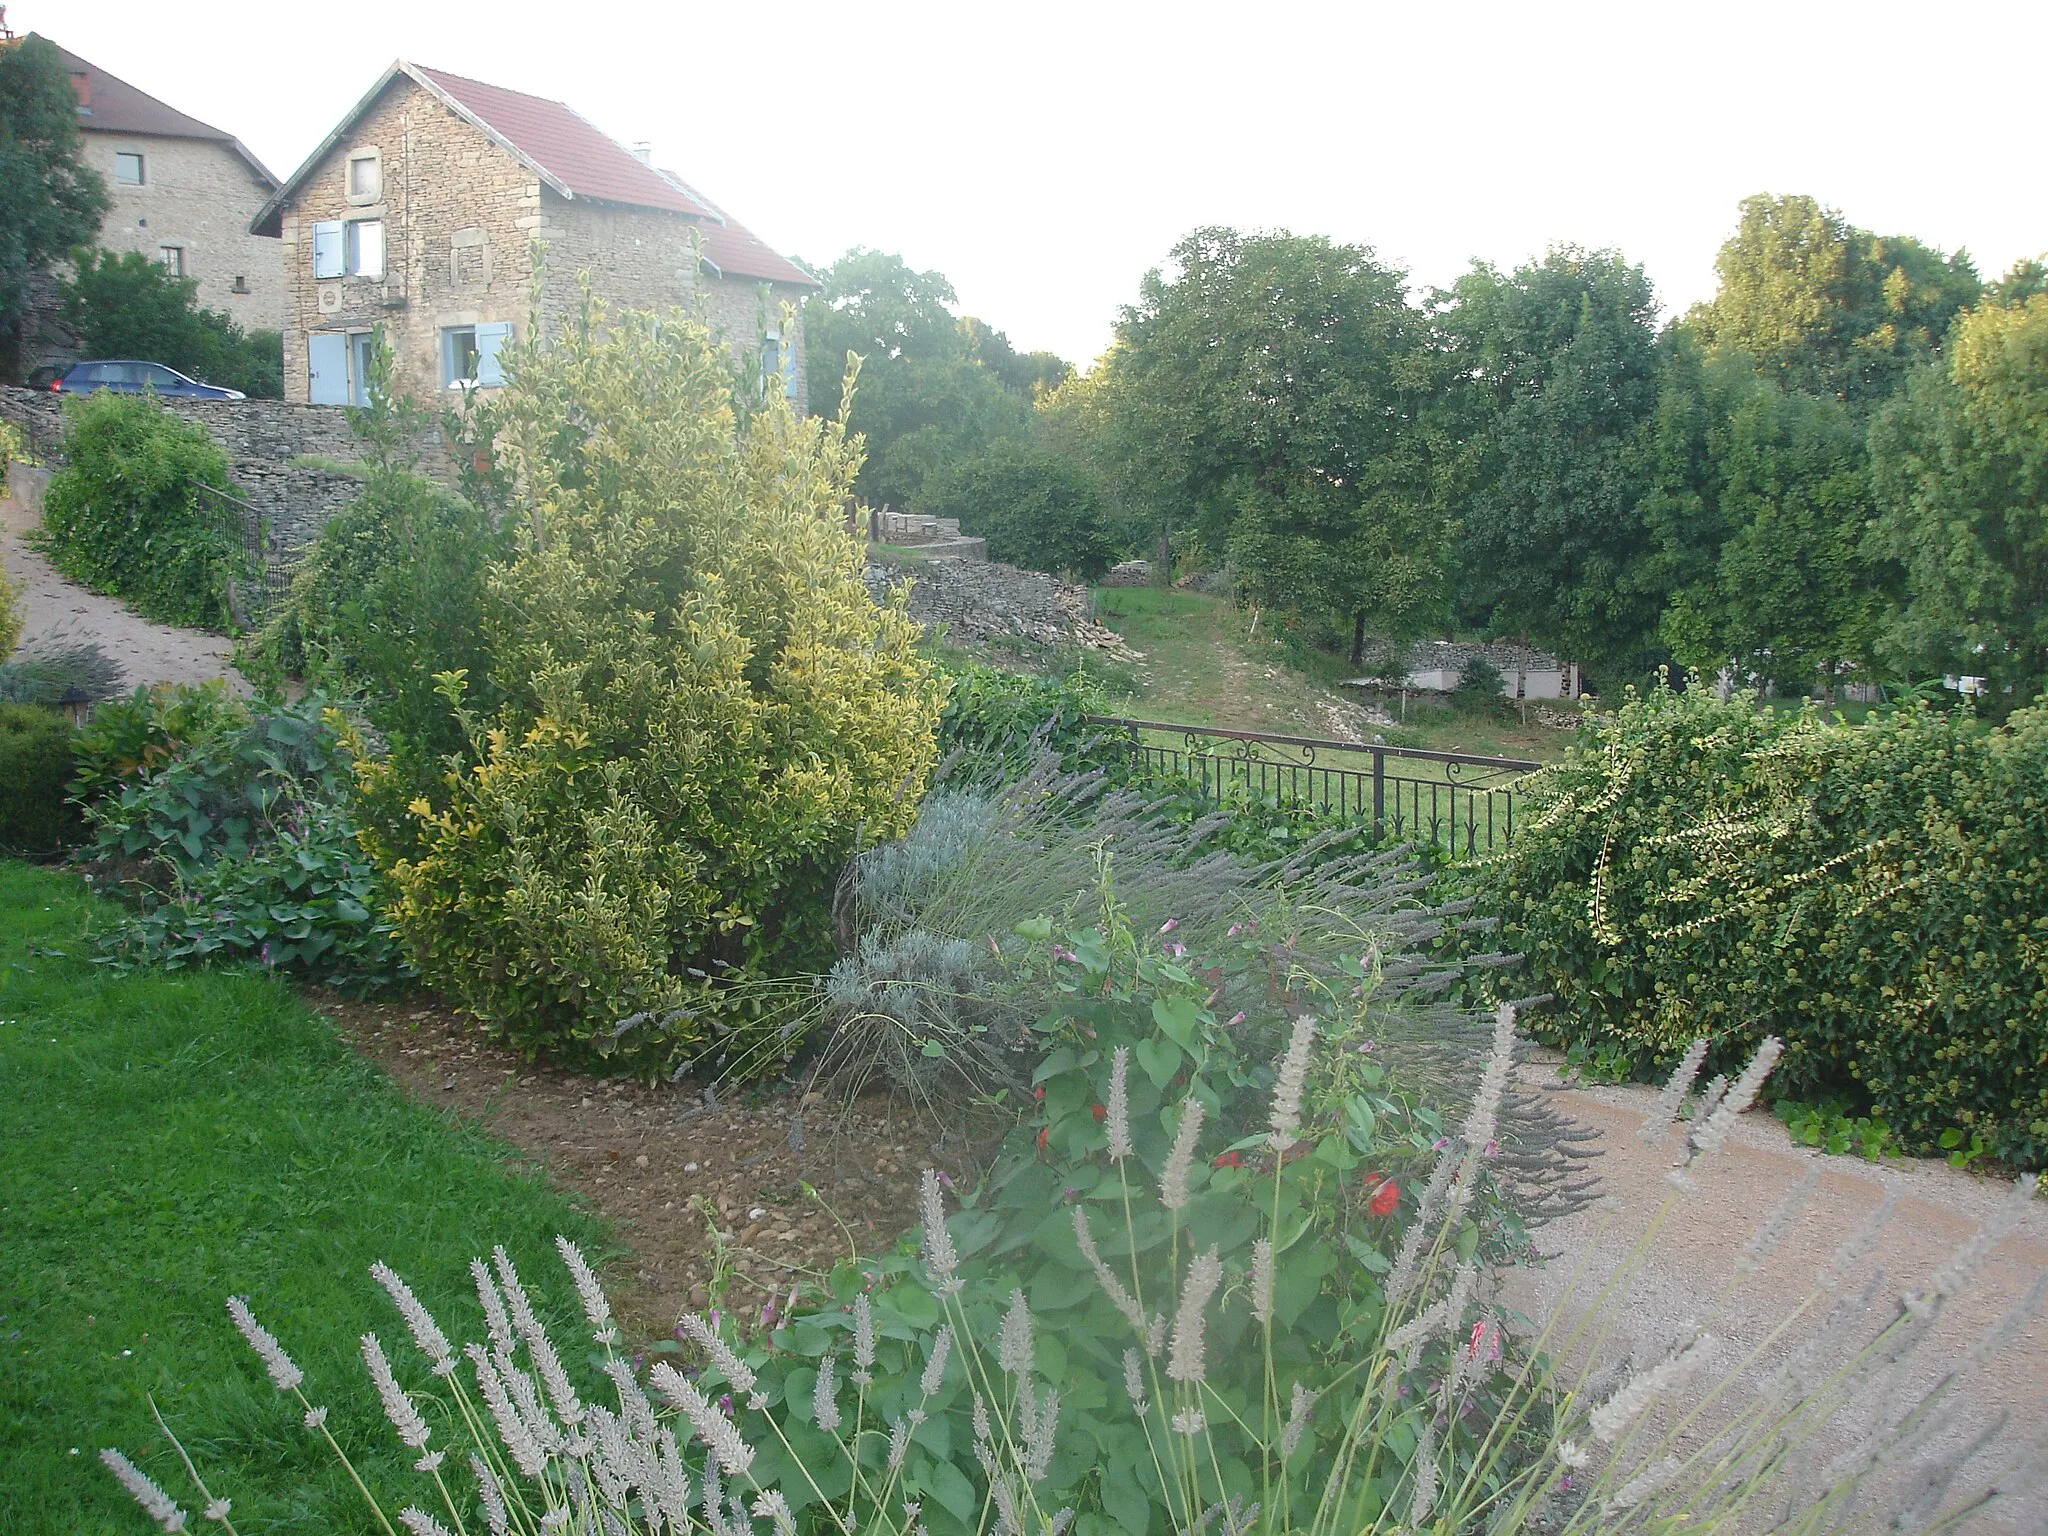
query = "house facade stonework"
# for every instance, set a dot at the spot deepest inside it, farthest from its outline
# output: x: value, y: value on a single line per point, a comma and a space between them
x: 425, y: 211
x: 182, y: 193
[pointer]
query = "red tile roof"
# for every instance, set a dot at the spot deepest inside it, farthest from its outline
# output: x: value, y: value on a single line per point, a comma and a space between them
x: 564, y: 144
x: 115, y: 106
x: 736, y: 250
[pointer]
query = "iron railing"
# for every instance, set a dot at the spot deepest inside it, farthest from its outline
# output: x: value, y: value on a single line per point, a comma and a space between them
x: 1462, y: 802
x: 273, y: 568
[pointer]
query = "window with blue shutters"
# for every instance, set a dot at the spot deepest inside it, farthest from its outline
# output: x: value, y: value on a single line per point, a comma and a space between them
x: 327, y: 260
x: 489, y: 338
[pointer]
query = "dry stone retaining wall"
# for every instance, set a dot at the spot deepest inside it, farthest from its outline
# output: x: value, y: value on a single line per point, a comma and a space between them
x: 978, y: 601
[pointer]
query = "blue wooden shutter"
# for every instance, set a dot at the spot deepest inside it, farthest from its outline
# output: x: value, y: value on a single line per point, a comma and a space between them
x: 489, y: 338
x: 789, y: 346
x: 327, y: 249
x: 327, y: 368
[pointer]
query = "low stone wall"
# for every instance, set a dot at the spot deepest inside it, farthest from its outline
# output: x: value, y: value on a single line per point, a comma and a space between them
x: 261, y: 438
x: 978, y: 601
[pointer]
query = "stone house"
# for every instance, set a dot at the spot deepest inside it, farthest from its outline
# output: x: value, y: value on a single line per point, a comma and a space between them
x: 423, y: 212
x: 183, y: 193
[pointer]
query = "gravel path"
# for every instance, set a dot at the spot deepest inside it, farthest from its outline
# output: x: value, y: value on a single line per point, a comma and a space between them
x: 1691, y: 1275
x: 57, y: 611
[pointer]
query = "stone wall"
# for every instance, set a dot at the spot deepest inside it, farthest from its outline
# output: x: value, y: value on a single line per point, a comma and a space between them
x: 197, y: 195
x: 733, y: 307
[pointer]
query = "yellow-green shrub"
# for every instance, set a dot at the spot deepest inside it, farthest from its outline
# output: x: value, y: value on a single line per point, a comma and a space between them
x: 704, y: 709
x: 1877, y: 895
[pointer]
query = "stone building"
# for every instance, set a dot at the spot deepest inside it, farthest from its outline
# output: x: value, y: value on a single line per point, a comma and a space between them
x: 423, y: 213
x: 183, y: 194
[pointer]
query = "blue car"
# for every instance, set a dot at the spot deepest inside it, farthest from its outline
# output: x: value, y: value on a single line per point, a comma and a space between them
x: 132, y: 378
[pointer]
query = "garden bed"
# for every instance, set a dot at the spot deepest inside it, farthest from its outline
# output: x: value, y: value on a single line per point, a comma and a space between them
x: 658, y: 1162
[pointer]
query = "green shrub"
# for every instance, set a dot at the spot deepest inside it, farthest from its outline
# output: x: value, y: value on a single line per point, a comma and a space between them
x: 391, y: 593
x: 704, y: 711
x: 122, y: 304
x: 1035, y: 508
x: 1876, y: 894
x: 129, y: 738
x: 996, y: 723
x: 36, y: 815
x: 124, y: 516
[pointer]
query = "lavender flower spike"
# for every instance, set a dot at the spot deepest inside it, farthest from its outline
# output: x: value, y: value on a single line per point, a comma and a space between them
x: 426, y: 1333
x: 154, y: 1501
x: 1173, y: 1180
x: 398, y: 1408
x: 283, y: 1373
x: 588, y: 1291
x: 940, y: 1257
x: 1013, y: 1342
x: 1118, y: 1121
x: 1293, y: 1079
x: 1187, y: 1362
x: 732, y: 1453
x: 1675, y: 1089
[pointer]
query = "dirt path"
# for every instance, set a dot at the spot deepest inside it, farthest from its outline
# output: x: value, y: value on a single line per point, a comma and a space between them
x: 1689, y: 1277
x: 57, y: 611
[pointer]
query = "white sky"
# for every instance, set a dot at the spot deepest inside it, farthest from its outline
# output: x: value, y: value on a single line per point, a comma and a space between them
x: 1043, y: 156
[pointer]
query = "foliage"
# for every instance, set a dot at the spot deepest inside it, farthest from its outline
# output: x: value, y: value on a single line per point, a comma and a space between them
x: 1832, y: 1128
x: 1961, y: 468
x: 168, y: 1140
x: 50, y: 199
x: 1035, y: 508
x: 1479, y: 687
x: 1030, y: 374
x: 1871, y: 893
x: 933, y: 389
x: 1561, y: 368
x: 125, y: 305
x: 1273, y: 393
x: 240, y: 825
x: 36, y: 817
x: 1829, y: 309
x: 391, y: 593
x: 126, y: 515
x: 302, y: 899
x: 10, y: 611
x: 704, y: 711
x: 995, y: 724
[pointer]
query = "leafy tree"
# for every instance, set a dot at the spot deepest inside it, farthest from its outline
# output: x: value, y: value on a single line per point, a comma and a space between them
x: 924, y: 400
x: 1960, y: 463
x: 1271, y: 396
x: 1035, y: 507
x: 1030, y: 374
x: 128, y: 306
x: 1560, y: 367
x: 50, y: 201
x: 1828, y: 308
x: 1761, y: 521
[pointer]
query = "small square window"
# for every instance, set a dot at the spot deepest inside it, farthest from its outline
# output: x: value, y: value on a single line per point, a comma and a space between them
x: 365, y: 177
x: 241, y: 285
x: 172, y: 259
x: 127, y: 169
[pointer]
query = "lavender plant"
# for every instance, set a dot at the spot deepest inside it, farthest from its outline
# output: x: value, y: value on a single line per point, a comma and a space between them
x: 1556, y: 1445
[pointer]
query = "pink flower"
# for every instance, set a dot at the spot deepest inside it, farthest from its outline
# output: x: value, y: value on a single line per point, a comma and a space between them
x: 1176, y: 950
x: 1169, y: 925
x: 1233, y: 1021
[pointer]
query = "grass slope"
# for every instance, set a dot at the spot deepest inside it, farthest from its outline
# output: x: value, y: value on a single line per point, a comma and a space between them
x: 165, y: 1141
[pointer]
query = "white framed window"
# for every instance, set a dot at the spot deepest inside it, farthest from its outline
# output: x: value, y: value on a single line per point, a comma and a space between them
x: 128, y: 168
x: 365, y: 176
x: 172, y: 259
x: 469, y: 354
x: 365, y: 248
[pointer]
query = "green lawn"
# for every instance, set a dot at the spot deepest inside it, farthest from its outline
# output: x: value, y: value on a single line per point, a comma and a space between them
x: 167, y: 1140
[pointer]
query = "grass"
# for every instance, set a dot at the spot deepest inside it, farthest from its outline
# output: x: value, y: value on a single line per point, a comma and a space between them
x: 1205, y: 665
x: 167, y: 1140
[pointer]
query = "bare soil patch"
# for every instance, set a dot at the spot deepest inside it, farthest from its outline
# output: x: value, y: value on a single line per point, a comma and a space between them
x: 770, y: 1188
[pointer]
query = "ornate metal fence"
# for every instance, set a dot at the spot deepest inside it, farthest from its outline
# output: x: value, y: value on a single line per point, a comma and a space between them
x: 1464, y: 803
x: 273, y: 569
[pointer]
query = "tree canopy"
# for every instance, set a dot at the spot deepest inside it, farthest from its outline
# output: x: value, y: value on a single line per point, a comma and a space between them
x: 50, y: 200
x: 128, y: 306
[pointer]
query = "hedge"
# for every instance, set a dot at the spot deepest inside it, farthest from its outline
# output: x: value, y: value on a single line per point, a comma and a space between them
x: 1876, y: 895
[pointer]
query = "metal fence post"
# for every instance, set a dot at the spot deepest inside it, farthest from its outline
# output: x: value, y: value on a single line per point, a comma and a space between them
x: 1379, y: 795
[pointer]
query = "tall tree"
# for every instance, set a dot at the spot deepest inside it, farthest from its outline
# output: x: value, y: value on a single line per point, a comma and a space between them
x: 1271, y: 395
x: 923, y: 400
x: 1828, y: 308
x: 1560, y: 371
x: 1960, y: 463
x: 50, y: 200
x: 1030, y: 374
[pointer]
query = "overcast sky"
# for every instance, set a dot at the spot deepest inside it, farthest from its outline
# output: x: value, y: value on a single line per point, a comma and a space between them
x: 1044, y: 156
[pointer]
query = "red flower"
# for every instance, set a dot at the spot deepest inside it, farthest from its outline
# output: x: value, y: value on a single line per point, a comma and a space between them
x: 1038, y: 1093
x: 1042, y: 1133
x: 1227, y: 1160
x: 1385, y: 1198
x: 1099, y: 1113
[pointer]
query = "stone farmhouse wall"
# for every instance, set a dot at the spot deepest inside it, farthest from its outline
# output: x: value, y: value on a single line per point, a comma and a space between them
x: 733, y: 307
x: 462, y: 220
x: 197, y: 195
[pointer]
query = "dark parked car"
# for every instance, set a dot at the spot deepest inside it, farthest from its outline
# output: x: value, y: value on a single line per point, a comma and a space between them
x: 132, y: 378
